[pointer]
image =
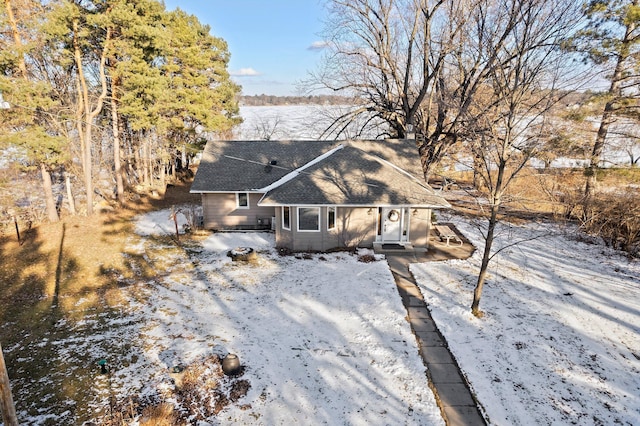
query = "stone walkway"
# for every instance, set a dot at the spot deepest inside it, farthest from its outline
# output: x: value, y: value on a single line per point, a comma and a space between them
x: 456, y: 402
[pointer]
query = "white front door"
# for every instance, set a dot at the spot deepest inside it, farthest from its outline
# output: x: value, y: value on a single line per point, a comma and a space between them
x: 391, y: 224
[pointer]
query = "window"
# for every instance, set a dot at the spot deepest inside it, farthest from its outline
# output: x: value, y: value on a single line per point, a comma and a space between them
x: 242, y: 200
x: 286, y: 218
x: 309, y: 219
x: 331, y: 218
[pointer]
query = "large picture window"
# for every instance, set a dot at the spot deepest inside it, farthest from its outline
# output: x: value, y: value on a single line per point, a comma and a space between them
x: 242, y: 200
x: 331, y: 218
x: 286, y: 218
x: 309, y: 219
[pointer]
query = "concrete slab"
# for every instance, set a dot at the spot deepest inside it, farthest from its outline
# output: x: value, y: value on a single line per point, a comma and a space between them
x: 437, y: 355
x: 429, y: 338
x: 411, y: 290
x: 414, y: 301
x: 404, y: 282
x: 418, y: 312
x: 422, y: 324
x: 448, y: 384
x: 444, y: 373
x: 463, y: 416
x: 454, y: 394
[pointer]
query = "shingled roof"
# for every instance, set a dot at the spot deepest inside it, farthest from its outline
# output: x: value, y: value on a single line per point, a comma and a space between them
x: 247, y: 166
x: 348, y: 173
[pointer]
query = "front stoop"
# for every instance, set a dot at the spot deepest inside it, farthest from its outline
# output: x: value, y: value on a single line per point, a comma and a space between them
x: 405, y: 248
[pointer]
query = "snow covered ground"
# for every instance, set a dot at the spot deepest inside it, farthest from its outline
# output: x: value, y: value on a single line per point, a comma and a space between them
x: 323, y: 337
x: 560, y: 339
x: 324, y: 340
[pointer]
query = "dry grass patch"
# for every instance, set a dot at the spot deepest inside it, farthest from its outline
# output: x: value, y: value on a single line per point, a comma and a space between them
x: 201, y: 391
x: 65, y: 282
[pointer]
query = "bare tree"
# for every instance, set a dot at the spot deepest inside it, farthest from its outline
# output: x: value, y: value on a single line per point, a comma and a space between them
x: 517, y: 99
x: 416, y: 63
x: 266, y: 129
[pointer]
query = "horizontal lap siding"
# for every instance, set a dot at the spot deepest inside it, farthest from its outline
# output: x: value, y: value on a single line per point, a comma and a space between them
x: 419, y: 227
x: 284, y: 238
x: 355, y: 227
x: 312, y: 241
x: 220, y: 211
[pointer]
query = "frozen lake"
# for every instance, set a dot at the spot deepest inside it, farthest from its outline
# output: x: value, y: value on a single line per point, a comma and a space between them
x: 301, y: 122
x: 310, y: 122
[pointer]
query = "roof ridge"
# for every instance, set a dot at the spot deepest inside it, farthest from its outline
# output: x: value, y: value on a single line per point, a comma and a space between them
x: 293, y: 174
x: 396, y: 168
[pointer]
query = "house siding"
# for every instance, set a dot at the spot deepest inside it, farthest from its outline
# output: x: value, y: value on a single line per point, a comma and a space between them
x: 355, y: 227
x: 284, y: 237
x: 220, y: 212
x: 419, y: 227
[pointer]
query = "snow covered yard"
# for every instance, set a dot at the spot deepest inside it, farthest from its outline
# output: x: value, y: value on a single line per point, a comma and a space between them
x: 323, y: 337
x: 324, y: 340
x: 560, y: 339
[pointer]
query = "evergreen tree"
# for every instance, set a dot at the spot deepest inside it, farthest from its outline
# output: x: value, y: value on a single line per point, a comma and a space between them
x: 29, y: 122
x: 200, y: 95
x: 611, y: 38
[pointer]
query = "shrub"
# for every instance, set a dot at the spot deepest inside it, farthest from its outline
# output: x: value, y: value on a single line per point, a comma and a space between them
x: 366, y: 258
x: 615, y: 217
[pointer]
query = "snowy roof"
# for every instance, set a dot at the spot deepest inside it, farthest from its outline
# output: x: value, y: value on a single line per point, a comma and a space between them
x: 344, y: 173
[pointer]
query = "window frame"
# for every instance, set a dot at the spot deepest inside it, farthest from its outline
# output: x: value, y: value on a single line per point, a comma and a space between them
x: 331, y: 209
x: 319, y: 219
x: 286, y: 226
x: 238, y: 205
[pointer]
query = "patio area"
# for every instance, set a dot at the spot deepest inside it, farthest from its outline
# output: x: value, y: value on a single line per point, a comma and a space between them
x: 437, y: 250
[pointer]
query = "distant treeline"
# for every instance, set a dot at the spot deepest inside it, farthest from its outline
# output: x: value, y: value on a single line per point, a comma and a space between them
x: 261, y: 100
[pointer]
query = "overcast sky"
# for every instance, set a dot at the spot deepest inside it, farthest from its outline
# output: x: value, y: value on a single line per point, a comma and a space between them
x: 273, y: 43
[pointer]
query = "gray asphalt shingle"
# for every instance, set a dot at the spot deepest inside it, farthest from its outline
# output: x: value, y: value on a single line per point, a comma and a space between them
x: 361, y: 173
x: 236, y: 166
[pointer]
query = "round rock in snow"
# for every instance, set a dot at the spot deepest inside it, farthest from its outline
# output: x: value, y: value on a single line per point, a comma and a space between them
x: 242, y: 254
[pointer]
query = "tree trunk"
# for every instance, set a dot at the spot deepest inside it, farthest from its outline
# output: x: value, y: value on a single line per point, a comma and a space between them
x: 598, y: 147
x: 72, y: 201
x: 117, y: 161
x: 89, y: 114
x: 163, y: 174
x: 609, y: 109
x: 16, y: 37
x: 52, y: 213
x: 426, y: 152
x: 7, y: 408
x: 145, y: 163
x: 85, y: 133
x: 496, y: 199
x: 136, y: 168
x: 431, y: 150
x: 78, y: 123
x: 477, y: 165
x: 486, y: 257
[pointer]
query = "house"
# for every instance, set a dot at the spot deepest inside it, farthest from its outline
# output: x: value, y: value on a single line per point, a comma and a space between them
x: 318, y: 195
